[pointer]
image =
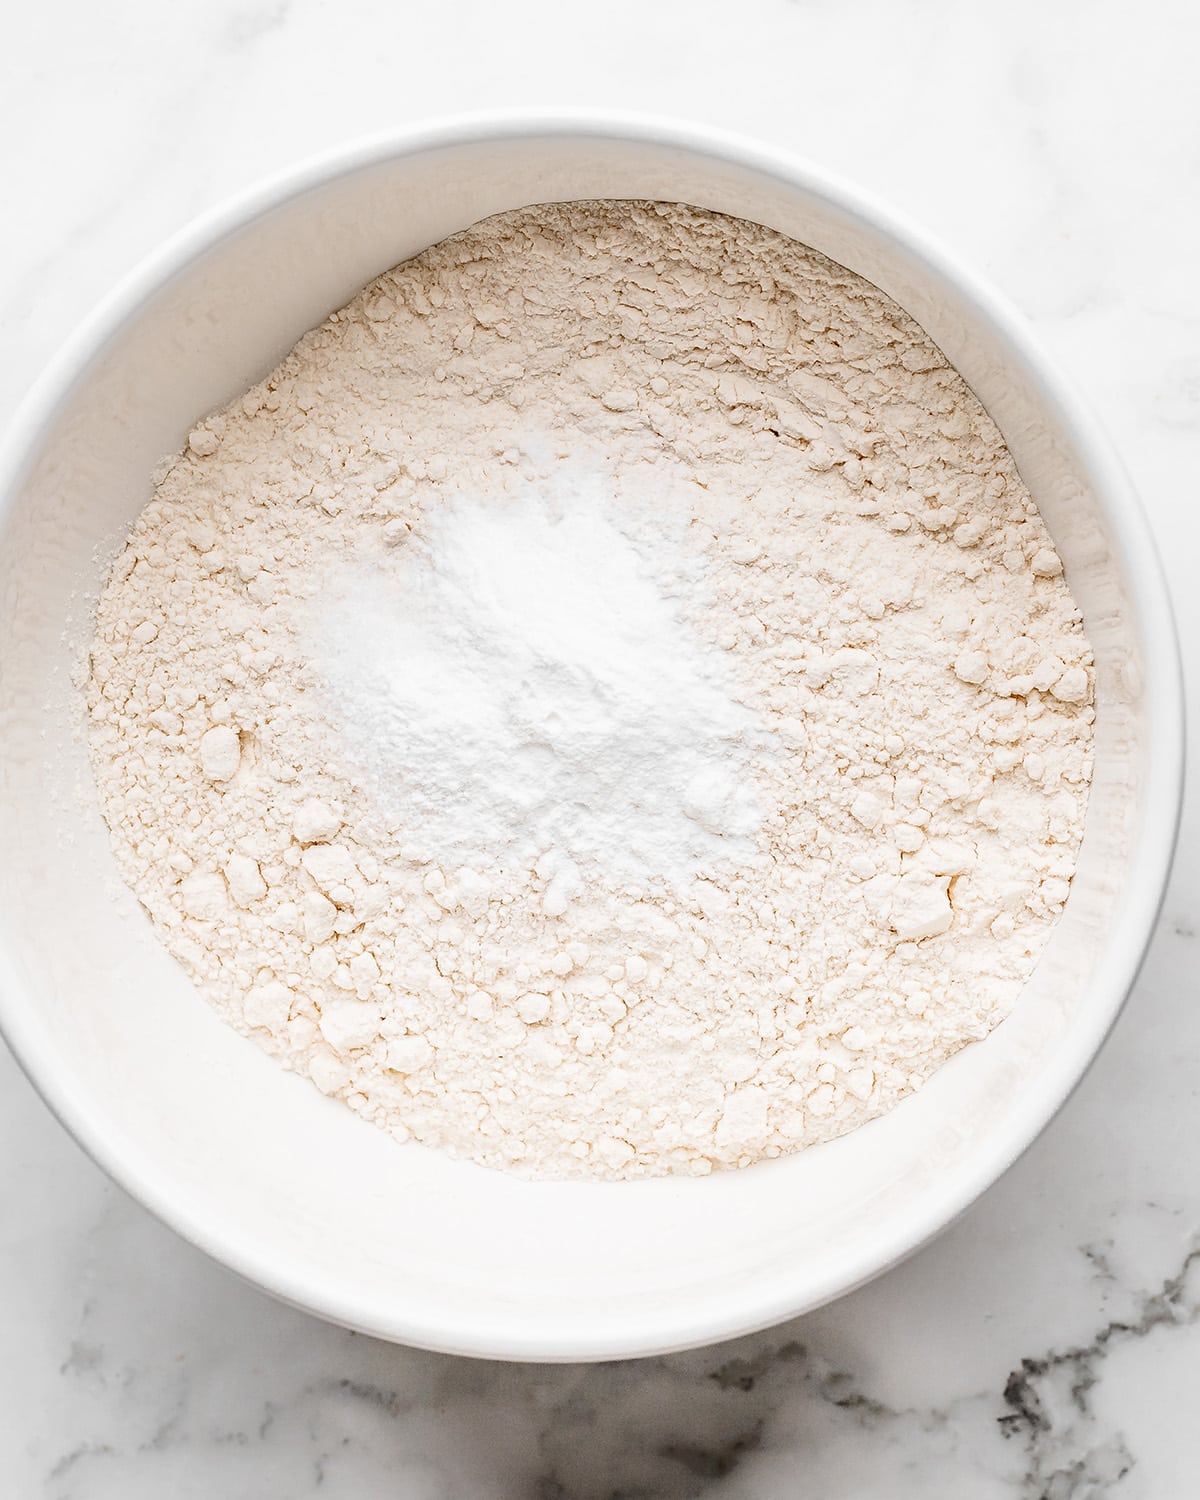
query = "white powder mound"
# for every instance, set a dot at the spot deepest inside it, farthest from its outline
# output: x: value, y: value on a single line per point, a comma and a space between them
x: 513, y: 685
x: 605, y: 705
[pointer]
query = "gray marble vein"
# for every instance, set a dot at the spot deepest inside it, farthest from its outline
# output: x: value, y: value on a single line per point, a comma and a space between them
x: 1070, y: 1454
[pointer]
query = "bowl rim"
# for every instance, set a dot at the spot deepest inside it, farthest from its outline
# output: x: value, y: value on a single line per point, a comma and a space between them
x: 744, y: 1309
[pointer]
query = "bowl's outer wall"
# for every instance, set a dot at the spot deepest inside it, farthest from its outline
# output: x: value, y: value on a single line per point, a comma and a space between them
x: 252, y: 1164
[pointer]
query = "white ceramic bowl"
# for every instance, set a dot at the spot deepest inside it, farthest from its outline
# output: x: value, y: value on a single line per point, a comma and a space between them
x: 252, y: 1164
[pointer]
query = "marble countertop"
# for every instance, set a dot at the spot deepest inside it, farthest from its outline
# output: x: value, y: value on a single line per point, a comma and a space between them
x: 1048, y: 1346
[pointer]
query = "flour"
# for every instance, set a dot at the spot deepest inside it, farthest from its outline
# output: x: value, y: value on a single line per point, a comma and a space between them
x: 605, y: 705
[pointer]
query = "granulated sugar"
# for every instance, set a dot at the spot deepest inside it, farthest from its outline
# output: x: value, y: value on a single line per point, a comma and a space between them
x: 605, y: 705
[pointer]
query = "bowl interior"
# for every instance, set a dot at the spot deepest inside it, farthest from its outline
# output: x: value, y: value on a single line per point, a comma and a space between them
x: 295, y: 1191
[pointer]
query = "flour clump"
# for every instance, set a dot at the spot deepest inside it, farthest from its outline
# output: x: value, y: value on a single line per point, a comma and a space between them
x: 605, y: 705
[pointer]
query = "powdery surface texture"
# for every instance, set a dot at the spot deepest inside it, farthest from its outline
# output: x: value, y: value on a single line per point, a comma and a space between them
x: 675, y: 947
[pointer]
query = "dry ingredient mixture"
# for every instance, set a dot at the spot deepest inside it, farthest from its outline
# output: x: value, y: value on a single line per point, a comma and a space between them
x: 605, y: 705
